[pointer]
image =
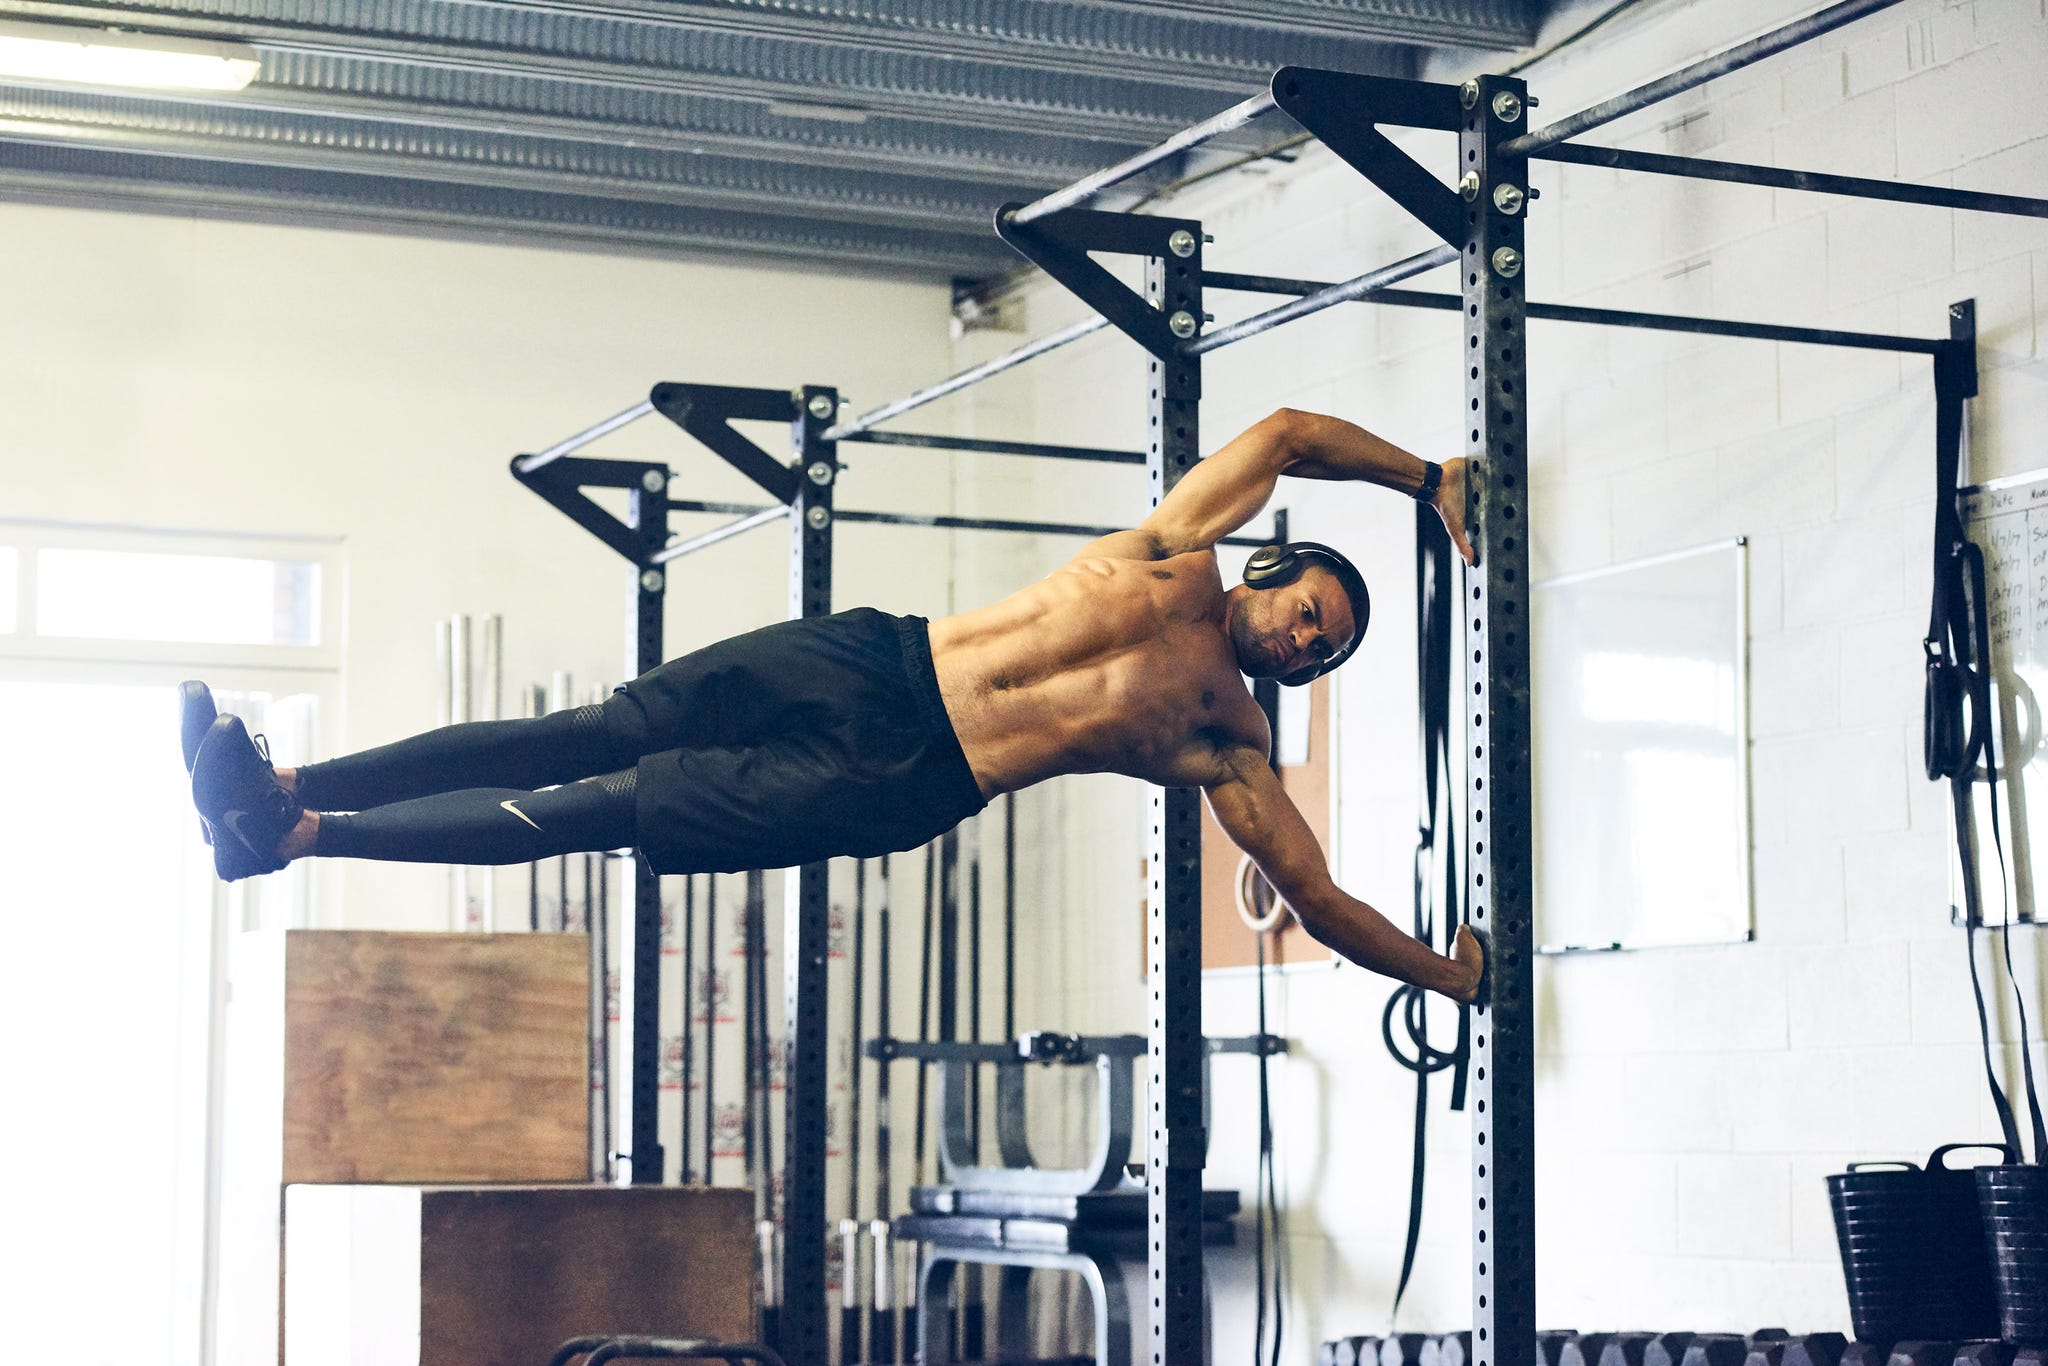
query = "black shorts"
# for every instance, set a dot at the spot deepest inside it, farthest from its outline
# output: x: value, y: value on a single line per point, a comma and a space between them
x: 801, y: 741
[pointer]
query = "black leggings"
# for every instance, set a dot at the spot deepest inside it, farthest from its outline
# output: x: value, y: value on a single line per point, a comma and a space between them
x: 465, y: 794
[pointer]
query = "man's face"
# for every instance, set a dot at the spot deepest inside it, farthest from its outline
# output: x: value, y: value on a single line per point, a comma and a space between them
x: 1275, y: 631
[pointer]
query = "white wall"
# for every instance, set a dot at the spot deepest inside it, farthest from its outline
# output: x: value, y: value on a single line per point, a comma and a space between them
x: 182, y: 373
x: 1691, y: 1100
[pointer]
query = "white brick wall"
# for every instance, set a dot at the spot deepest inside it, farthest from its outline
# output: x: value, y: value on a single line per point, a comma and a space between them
x: 1691, y: 1100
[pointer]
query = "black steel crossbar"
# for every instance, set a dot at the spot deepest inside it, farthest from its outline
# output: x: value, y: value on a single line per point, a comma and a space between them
x: 1607, y: 317
x: 1088, y: 186
x: 1818, y: 182
x: 1000, y: 524
x: 1698, y: 73
x: 1348, y: 291
x: 963, y: 443
x: 975, y: 375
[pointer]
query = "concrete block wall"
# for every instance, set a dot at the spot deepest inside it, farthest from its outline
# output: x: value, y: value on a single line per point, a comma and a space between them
x: 1691, y: 1099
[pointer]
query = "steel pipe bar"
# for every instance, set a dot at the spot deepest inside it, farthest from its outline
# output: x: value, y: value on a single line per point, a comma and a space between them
x: 1699, y: 73
x: 1089, y: 186
x: 1740, y: 173
x: 943, y: 523
x: 962, y: 443
x: 697, y: 505
x: 1608, y: 317
x: 1029, y: 351
x: 1348, y: 291
x: 528, y: 464
x: 724, y: 533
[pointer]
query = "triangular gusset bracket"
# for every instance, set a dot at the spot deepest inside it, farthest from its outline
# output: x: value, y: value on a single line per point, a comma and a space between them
x: 707, y: 412
x: 1059, y: 244
x: 1344, y: 111
x: 561, y: 482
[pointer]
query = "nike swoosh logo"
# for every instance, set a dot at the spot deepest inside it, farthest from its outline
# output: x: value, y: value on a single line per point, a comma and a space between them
x: 517, y: 812
x: 233, y: 821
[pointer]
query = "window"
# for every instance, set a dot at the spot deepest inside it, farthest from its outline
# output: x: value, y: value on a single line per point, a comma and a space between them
x: 72, y: 592
x: 116, y: 897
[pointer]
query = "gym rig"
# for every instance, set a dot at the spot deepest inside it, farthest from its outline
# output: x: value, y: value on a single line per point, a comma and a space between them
x: 1480, y: 227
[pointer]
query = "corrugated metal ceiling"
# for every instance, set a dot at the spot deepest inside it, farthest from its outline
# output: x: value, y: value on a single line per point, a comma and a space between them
x: 874, y: 132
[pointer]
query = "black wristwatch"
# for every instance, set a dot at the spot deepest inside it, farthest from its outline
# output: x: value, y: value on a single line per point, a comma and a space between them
x: 1432, y: 480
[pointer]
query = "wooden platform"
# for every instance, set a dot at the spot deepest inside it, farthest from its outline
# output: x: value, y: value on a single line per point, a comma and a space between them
x: 371, y: 1056
x: 491, y: 1275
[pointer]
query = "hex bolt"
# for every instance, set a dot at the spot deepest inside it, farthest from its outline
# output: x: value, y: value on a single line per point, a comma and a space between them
x: 1468, y: 94
x: 820, y: 472
x: 818, y: 518
x: 1507, y: 262
x: 654, y: 481
x: 1507, y: 106
x: 651, y: 581
x: 1182, y: 324
x: 1469, y: 186
x: 820, y: 405
x: 1508, y: 198
x: 1182, y: 243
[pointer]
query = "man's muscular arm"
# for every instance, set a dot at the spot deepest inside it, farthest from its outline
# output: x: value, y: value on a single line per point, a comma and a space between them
x: 1253, y: 809
x: 1225, y: 491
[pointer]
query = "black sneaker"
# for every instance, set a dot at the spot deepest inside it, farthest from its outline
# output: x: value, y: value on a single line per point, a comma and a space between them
x: 195, y: 713
x: 237, y: 793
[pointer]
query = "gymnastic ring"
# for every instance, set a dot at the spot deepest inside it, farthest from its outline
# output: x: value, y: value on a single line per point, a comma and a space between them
x: 1248, y: 874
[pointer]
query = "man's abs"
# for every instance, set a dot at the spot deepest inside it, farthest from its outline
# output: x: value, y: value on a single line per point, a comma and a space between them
x: 1107, y: 665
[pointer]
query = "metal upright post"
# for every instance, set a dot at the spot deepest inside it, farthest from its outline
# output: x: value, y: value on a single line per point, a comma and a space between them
x: 640, y: 955
x: 805, y: 924
x: 1176, y: 1142
x: 1500, y: 827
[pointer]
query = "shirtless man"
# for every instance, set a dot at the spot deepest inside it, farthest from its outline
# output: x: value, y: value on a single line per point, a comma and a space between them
x: 861, y: 733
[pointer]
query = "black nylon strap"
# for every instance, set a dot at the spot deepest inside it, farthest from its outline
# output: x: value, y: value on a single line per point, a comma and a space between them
x: 1433, y: 605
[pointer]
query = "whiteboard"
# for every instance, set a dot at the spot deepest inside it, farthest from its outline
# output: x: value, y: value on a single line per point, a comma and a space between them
x: 1640, y: 694
x: 2009, y: 519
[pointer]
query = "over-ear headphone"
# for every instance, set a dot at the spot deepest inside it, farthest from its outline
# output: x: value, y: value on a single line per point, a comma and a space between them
x: 1276, y: 566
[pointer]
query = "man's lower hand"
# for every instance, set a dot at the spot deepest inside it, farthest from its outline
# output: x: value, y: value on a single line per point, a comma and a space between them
x: 1470, y: 956
x: 1450, y: 505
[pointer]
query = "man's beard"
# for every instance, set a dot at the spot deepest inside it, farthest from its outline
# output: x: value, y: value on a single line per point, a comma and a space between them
x: 1254, y: 654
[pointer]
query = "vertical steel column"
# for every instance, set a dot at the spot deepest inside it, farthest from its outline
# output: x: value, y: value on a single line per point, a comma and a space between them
x: 1175, y: 1139
x: 1501, y: 888
x: 806, y: 911
x: 640, y: 955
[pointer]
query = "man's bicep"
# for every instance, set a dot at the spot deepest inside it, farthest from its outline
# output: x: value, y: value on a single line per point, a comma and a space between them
x: 1262, y: 820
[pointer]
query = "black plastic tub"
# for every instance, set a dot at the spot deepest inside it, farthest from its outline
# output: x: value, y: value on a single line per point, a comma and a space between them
x: 2013, y: 1201
x: 1913, y: 1248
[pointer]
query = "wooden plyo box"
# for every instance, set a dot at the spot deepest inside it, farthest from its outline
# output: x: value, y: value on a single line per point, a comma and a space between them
x: 501, y: 1276
x: 368, y: 1056
x: 419, y: 1058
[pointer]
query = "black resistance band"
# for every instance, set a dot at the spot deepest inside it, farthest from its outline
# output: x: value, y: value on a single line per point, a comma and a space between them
x: 1433, y: 636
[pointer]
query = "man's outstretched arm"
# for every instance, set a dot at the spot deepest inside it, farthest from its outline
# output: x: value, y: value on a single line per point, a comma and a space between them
x: 1257, y: 814
x: 1225, y: 491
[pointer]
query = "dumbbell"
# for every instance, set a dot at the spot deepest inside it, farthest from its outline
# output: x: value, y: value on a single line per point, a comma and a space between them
x: 1550, y: 1346
x: 1770, y: 1335
x: 1454, y: 1349
x: 1715, y: 1349
x: 1351, y: 1351
x: 1919, y: 1353
x: 1988, y: 1352
x: 1584, y: 1349
x: 1866, y: 1354
x: 1668, y: 1349
x: 1815, y: 1349
x: 2030, y: 1356
x: 1402, y: 1349
x: 1625, y: 1349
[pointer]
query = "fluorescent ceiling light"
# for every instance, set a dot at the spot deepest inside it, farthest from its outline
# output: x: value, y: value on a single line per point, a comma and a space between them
x: 91, y: 56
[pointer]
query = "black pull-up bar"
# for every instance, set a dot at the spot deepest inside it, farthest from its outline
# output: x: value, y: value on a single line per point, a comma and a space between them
x: 1775, y: 177
x: 1608, y: 317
